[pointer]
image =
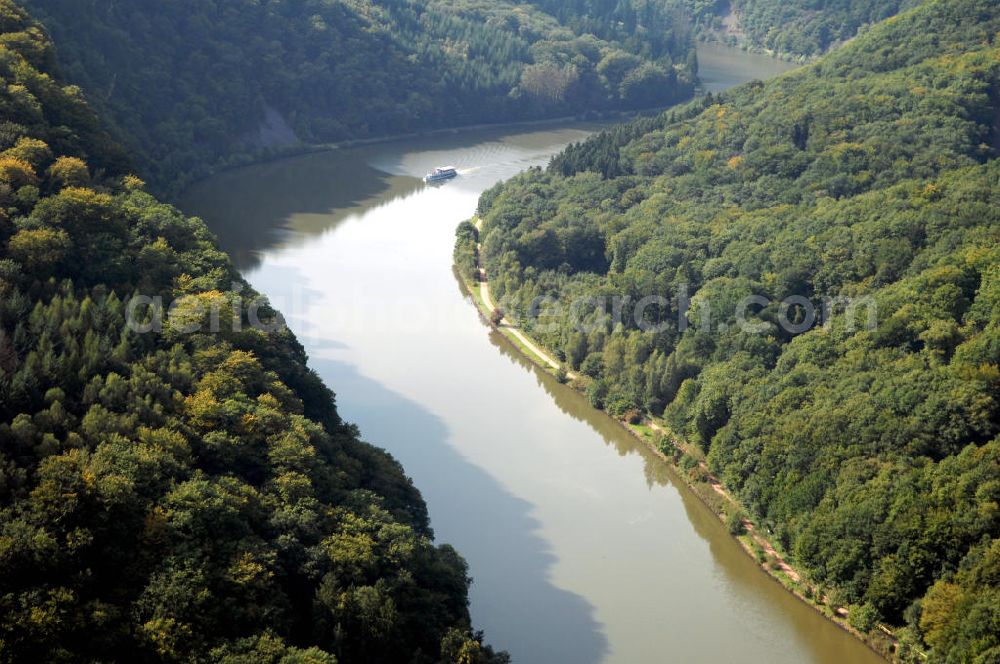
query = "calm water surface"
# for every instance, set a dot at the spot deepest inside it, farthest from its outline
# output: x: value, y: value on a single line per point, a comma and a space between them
x: 721, y: 67
x: 582, y: 546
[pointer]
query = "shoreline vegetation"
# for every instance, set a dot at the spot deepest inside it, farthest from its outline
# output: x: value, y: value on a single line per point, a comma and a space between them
x: 688, y: 465
x: 177, y: 496
x: 323, y: 72
x: 789, y: 31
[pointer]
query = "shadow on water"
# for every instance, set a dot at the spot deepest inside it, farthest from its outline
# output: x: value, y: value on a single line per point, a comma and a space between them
x: 506, y: 532
x: 269, y: 205
x: 255, y: 208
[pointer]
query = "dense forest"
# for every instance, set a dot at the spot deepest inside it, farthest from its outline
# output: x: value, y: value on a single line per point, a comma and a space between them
x: 181, y: 494
x: 190, y: 85
x: 855, y: 203
x: 791, y: 28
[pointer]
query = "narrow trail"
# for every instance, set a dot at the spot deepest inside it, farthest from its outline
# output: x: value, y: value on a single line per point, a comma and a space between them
x: 763, y: 542
x: 484, y: 293
x: 748, y: 525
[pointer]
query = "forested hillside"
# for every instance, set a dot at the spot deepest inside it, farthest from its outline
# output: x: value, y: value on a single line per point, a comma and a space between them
x: 177, y: 495
x: 792, y: 28
x: 872, y: 453
x: 188, y: 84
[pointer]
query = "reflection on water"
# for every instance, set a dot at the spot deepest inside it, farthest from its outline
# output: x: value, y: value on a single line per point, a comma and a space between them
x: 745, y: 583
x: 721, y: 67
x: 288, y: 200
x: 261, y: 201
x: 580, y: 543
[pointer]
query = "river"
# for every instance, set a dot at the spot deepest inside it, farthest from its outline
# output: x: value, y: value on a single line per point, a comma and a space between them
x: 582, y: 545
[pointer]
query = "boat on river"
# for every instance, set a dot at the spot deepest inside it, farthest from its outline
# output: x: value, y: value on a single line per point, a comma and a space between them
x: 441, y: 173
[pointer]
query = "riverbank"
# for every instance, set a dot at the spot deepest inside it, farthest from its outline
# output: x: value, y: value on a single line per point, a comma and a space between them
x: 689, y: 465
